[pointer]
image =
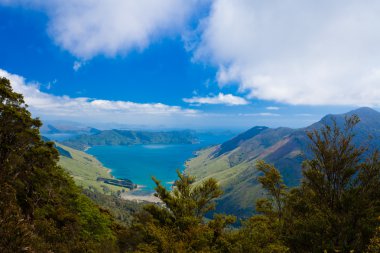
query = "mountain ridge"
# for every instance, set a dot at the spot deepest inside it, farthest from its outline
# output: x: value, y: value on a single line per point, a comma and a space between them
x: 130, y: 137
x: 286, y: 148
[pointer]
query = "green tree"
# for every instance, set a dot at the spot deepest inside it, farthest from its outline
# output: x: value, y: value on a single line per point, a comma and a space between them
x: 374, y: 245
x: 273, y: 184
x: 41, y: 210
x: 337, y: 204
x: 262, y: 232
x: 179, y: 224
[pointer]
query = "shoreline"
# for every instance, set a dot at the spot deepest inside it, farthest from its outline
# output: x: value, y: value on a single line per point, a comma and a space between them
x: 108, y: 170
x: 140, y: 198
x: 148, y: 197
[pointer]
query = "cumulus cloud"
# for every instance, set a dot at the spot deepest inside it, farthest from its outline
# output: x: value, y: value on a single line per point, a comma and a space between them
x: 226, y: 99
x: 296, y: 52
x: 87, y: 28
x: 82, y: 108
x: 272, y: 108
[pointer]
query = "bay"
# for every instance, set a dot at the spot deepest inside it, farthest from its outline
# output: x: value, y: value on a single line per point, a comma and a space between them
x: 140, y: 162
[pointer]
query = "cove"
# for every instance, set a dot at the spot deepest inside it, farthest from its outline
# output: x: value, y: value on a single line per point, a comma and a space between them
x: 140, y: 162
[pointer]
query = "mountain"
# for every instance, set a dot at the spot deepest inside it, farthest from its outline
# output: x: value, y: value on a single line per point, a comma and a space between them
x: 129, y: 137
x: 233, y: 162
x: 67, y: 129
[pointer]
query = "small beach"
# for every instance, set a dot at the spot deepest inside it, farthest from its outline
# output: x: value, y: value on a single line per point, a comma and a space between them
x: 140, y: 198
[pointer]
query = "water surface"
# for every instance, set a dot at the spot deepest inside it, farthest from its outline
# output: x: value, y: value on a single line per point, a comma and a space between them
x: 140, y: 162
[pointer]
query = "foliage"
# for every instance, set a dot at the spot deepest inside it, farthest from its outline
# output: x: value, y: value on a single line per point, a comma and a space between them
x: 41, y: 209
x: 272, y: 182
x: 233, y: 162
x: 121, y: 210
x: 374, y: 245
x: 260, y: 234
x: 337, y: 205
x: 335, y: 209
x: 179, y: 225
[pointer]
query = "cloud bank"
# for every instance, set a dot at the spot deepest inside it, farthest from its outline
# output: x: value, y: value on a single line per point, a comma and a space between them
x: 296, y: 52
x: 64, y: 107
x: 87, y: 28
x: 226, y: 99
x: 291, y: 51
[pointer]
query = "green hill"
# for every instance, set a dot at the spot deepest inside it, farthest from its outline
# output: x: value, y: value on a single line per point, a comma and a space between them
x: 129, y: 137
x: 233, y: 162
x: 85, y: 169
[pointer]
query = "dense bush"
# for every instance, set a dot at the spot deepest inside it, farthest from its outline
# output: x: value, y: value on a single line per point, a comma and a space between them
x: 41, y: 210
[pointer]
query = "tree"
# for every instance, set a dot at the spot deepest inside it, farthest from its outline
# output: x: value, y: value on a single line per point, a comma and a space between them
x: 374, y: 245
x: 337, y: 204
x: 263, y: 232
x: 179, y: 224
x: 273, y: 184
x: 41, y: 209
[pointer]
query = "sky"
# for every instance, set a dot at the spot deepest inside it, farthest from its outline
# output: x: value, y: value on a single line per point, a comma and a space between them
x: 191, y: 63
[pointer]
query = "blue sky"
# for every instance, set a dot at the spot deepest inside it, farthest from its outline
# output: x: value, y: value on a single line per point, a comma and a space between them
x: 191, y: 64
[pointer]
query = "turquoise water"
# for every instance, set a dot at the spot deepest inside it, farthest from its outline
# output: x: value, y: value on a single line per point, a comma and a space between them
x: 140, y: 162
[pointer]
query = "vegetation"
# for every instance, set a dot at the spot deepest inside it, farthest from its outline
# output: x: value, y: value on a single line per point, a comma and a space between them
x: 41, y: 210
x: 233, y: 163
x: 122, y: 210
x: 337, y: 205
x: 179, y: 226
x: 85, y: 170
x: 129, y: 137
x: 336, y: 208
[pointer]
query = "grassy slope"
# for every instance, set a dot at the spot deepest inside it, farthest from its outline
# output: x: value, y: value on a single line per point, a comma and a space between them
x: 85, y: 169
x: 240, y: 191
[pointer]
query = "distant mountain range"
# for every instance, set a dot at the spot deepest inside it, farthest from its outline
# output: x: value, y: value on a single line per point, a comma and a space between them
x: 67, y: 129
x: 129, y: 137
x: 233, y: 162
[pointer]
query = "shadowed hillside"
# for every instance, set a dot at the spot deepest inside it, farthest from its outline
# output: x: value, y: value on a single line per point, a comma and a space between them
x: 233, y: 162
x: 129, y: 137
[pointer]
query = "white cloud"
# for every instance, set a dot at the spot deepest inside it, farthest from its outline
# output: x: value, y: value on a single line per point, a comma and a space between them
x: 296, y: 52
x: 227, y: 99
x: 98, y: 110
x: 262, y: 114
x: 87, y: 28
x: 272, y: 108
x: 304, y: 114
x: 77, y: 65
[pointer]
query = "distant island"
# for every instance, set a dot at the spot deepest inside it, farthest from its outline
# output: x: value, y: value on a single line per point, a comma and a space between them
x: 128, y: 137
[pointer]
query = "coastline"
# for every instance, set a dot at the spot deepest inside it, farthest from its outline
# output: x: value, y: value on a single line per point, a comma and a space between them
x: 140, y: 198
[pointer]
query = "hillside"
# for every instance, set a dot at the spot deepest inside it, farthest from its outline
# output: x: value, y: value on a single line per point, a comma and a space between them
x: 85, y: 169
x: 129, y: 137
x: 67, y: 128
x: 233, y: 162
